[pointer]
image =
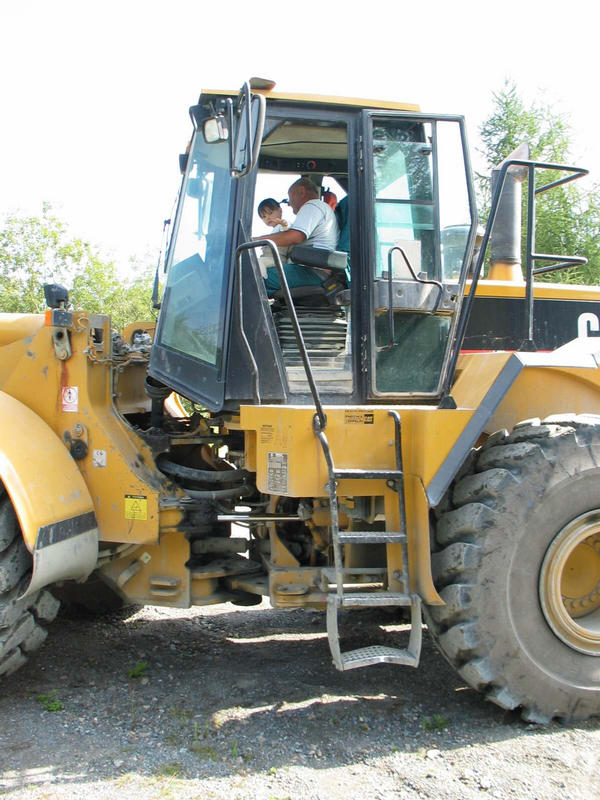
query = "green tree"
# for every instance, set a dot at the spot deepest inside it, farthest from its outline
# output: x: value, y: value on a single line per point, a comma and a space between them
x: 97, y: 288
x: 36, y: 250
x: 568, y: 217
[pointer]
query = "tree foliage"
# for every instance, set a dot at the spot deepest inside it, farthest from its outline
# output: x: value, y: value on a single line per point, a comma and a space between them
x: 40, y: 249
x: 567, y: 217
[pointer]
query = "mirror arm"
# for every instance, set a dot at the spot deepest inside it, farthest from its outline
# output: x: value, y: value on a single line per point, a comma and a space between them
x: 252, y: 148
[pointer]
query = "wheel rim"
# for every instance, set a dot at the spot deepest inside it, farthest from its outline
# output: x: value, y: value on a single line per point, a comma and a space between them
x: 570, y: 584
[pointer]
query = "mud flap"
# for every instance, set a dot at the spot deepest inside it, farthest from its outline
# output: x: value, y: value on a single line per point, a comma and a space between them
x: 64, y: 549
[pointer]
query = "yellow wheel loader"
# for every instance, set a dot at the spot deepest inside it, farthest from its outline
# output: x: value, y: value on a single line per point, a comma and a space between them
x: 354, y: 442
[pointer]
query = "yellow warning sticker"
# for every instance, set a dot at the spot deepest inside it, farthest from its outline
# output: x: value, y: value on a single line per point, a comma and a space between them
x: 136, y: 506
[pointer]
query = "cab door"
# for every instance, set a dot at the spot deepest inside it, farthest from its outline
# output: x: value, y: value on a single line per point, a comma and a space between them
x: 420, y: 222
x: 190, y: 347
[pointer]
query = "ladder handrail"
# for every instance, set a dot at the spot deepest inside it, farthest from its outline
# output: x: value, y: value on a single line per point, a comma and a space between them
x: 320, y: 417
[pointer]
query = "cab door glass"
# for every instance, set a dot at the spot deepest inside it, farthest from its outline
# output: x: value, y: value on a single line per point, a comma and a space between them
x: 402, y: 158
x: 455, y: 213
x: 423, y: 227
x: 193, y: 308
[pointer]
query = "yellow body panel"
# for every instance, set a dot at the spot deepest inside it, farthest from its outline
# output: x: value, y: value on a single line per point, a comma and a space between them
x: 548, y: 291
x: 39, y: 474
x: 557, y: 391
x: 287, y: 456
x: 357, y: 435
x: 75, y: 398
x: 536, y: 391
x: 475, y: 373
x: 19, y: 326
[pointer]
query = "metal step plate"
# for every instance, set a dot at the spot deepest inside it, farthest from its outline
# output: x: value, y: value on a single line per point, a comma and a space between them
x: 368, y: 599
x: 370, y: 537
x: 377, y: 654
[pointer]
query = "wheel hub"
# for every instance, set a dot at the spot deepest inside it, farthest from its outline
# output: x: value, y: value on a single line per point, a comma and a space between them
x: 570, y: 584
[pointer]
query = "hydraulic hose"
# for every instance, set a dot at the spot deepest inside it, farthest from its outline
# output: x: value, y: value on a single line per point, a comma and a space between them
x: 219, y: 494
x: 201, y: 475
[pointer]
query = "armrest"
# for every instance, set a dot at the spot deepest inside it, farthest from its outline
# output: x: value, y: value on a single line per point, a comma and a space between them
x: 307, y: 256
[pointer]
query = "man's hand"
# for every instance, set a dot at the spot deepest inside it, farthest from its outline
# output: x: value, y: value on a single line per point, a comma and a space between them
x: 283, y: 238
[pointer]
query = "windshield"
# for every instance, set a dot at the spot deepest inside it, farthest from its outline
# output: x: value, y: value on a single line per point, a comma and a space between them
x: 193, y: 305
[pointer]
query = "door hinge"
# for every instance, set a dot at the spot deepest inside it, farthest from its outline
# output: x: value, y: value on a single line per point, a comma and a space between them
x: 360, y: 154
x: 364, y: 354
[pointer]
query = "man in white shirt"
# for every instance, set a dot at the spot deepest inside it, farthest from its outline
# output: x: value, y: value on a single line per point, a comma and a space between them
x: 315, y: 225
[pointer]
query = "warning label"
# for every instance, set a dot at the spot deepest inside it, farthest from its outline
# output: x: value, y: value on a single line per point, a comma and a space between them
x: 70, y: 398
x: 359, y: 418
x: 136, y: 506
x: 98, y: 458
x: 277, y: 473
x: 266, y: 434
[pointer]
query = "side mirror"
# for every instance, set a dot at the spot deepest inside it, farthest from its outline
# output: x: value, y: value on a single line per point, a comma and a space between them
x: 215, y: 130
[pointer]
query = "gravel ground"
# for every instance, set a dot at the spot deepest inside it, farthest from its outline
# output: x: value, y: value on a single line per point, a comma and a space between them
x: 230, y: 703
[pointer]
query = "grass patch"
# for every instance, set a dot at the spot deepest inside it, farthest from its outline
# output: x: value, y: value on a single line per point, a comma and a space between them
x: 204, y: 751
x: 436, y: 722
x: 180, y: 715
x: 51, y: 702
x: 139, y: 670
x: 172, y: 769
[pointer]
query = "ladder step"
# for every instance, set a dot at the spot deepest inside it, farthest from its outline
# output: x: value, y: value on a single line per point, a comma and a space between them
x: 376, y: 599
x: 370, y: 537
x: 378, y: 654
x: 375, y: 654
x: 364, y: 474
x: 372, y: 574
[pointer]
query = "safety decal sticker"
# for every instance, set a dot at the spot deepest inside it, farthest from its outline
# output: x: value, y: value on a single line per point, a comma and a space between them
x: 136, y: 506
x: 277, y: 473
x: 267, y: 434
x: 98, y: 458
x: 70, y: 398
x: 359, y: 418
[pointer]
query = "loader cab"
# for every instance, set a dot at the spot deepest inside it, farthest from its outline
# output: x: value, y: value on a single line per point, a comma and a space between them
x: 407, y: 222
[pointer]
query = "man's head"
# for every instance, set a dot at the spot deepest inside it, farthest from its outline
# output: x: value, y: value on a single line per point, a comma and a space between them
x: 301, y: 192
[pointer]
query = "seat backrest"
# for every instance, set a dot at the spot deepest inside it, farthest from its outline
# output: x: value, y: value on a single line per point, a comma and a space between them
x: 343, y: 218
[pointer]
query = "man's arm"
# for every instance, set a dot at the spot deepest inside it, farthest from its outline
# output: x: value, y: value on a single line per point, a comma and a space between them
x: 283, y: 238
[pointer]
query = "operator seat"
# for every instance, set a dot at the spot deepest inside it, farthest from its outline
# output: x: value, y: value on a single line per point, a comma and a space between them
x: 328, y: 264
x: 334, y: 289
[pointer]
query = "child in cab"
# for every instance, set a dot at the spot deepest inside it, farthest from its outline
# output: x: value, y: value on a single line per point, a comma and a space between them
x: 269, y: 210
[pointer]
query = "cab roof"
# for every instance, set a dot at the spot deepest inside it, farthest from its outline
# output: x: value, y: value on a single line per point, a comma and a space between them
x: 317, y: 98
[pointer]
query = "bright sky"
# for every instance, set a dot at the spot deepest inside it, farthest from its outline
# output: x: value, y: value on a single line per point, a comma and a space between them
x: 95, y: 95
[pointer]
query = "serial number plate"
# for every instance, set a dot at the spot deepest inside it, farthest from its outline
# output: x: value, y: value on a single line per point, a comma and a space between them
x: 277, y: 473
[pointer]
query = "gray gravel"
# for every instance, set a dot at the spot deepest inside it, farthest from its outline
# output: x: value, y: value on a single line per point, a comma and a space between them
x: 230, y: 703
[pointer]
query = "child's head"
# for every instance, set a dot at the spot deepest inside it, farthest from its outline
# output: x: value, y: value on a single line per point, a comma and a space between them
x: 270, y: 212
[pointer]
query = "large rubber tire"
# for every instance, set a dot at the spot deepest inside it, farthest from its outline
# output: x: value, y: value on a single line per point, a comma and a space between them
x: 21, y: 620
x: 516, y: 503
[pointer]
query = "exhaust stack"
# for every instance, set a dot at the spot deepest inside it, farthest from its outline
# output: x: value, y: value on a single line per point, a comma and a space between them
x: 506, y: 233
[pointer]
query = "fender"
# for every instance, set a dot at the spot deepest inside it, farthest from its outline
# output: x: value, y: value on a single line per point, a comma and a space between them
x: 49, y: 495
x: 512, y: 397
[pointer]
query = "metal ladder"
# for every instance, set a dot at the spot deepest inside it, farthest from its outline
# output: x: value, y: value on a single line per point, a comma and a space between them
x: 363, y: 656
x: 375, y: 654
